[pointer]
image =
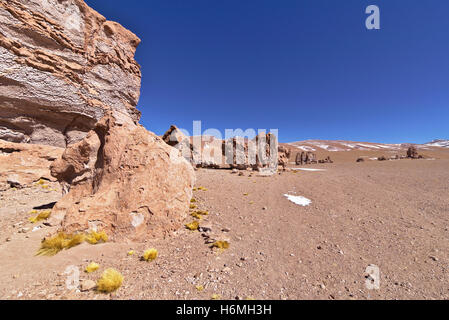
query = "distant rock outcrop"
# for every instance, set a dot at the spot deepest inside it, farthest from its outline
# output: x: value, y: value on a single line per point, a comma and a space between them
x: 306, y: 158
x: 412, y: 153
x: 62, y: 66
x: 124, y: 180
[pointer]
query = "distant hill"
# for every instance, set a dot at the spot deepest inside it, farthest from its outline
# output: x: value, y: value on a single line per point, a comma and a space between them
x: 438, y: 143
x: 342, y: 145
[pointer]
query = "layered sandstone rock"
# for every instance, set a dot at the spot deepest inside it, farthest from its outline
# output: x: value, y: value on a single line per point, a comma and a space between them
x: 124, y: 180
x: 62, y: 65
x: 22, y: 164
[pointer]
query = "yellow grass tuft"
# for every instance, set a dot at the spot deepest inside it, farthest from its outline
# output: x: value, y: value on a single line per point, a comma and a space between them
x: 199, y: 214
x: 110, y: 281
x: 196, y: 215
x: 193, y: 200
x: 195, y: 189
x: 41, y: 216
x: 215, y: 296
x: 131, y: 252
x: 150, y: 255
x: 75, y: 240
x: 192, y: 226
x: 245, y: 194
x: 52, y: 246
x: 202, y: 188
x: 199, y: 288
x: 221, y: 245
x: 193, y: 206
x: 94, y: 237
x: 92, y: 267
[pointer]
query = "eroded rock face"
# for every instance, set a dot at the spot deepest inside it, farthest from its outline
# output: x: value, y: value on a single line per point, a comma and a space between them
x: 62, y: 66
x: 124, y: 180
x: 22, y: 164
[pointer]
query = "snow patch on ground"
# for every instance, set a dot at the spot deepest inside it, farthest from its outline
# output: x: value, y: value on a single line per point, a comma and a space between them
x: 299, y: 200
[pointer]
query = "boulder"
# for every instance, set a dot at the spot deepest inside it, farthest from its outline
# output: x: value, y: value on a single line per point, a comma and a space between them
x: 63, y: 66
x: 123, y: 180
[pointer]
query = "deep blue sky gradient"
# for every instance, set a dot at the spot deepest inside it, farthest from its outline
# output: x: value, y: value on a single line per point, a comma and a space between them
x: 306, y: 67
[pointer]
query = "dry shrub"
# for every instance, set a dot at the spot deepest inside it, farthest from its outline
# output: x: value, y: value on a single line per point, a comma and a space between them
x: 194, y: 225
x: 221, y: 245
x: 150, y: 255
x: 110, y: 281
x: 52, y: 246
x: 95, y: 237
x: 92, y: 267
x: 199, y: 214
x: 44, y: 215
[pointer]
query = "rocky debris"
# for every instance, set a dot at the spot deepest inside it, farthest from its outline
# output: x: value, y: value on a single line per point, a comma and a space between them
x: 63, y: 66
x: 360, y: 160
x: 87, y: 285
x: 23, y: 164
x: 382, y: 158
x: 123, y: 180
x: 326, y: 160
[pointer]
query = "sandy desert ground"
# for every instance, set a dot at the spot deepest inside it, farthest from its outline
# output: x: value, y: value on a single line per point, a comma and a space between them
x: 392, y: 214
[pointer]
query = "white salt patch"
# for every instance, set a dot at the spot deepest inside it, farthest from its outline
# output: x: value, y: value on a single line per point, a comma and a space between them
x: 299, y: 200
x: 137, y: 219
x: 308, y: 169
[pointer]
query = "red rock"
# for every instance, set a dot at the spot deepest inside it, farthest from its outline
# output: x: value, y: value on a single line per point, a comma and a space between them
x: 124, y: 180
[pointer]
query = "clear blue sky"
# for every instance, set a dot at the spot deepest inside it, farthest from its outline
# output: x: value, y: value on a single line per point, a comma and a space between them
x: 309, y: 68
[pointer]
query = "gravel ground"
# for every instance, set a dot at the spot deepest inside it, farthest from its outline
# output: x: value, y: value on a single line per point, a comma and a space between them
x: 391, y: 214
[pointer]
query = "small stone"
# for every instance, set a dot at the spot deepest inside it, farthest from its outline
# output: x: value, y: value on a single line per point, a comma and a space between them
x: 24, y: 230
x: 87, y: 285
x: 434, y: 258
x: 264, y: 208
x: 8, y: 239
x: 226, y: 230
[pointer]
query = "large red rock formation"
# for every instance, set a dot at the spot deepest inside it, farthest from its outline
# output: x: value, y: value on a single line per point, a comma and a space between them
x: 68, y: 78
x: 62, y: 65
x: 124, y: 180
